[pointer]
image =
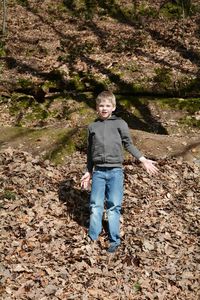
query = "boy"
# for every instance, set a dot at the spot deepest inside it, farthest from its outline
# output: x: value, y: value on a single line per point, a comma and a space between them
x: 106, y: 137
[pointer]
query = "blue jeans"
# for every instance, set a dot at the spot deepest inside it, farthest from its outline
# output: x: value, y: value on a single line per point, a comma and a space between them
x: 107, y: 183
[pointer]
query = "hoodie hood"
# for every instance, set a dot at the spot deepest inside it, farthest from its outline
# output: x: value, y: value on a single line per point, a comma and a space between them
x: 112, y: 117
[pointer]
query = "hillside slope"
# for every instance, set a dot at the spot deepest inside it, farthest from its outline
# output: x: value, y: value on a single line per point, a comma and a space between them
x: 108, y: 44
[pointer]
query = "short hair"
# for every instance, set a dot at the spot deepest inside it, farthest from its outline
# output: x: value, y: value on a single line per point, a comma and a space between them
x: 106, y: 95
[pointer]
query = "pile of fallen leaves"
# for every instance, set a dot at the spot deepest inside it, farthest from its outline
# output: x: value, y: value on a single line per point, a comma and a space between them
x: 44, y: 216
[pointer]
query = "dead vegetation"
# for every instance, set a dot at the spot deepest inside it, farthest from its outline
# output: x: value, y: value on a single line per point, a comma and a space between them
x: 44, y: 218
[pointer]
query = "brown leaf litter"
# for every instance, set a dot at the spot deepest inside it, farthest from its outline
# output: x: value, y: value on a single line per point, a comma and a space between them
x: 44, y: 217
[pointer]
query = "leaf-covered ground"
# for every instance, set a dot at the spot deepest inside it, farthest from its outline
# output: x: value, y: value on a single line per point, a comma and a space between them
x: 122, y: 45
x: 44, y: 217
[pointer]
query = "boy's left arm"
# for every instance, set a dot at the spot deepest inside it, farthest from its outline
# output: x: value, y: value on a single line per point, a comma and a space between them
x: 149, y: 165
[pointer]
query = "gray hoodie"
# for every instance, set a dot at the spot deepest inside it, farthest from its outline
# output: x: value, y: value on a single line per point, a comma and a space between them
x: 106, y: 139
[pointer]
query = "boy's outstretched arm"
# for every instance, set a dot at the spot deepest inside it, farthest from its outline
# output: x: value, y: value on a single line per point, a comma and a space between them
x: 127, y: 142
x: 149, y: 165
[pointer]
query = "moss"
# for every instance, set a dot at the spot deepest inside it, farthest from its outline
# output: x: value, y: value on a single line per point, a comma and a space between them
x: 37, y: 114
x: 84, y: 9
x: 171, y: 10
x: 3, y: 100
x: 65, y: 144
x: 137, y: 287
x: 62, y: 58
x: 47, y: 85
x: 81, y: 139
x: 133, y: 67
x: 49, y: 143
x: 2, y: 49
x: 76, y: 83
x: 88, y: 48
x: 191, y: 87
x: 25, y: 83
x: 61, y: 8
x: 83, y: 82
x: 103, y: 84
x: 138, y: 88
x: 66, y: 141
x: 23, y: 2
x: 13, y: 133
x: 130, y: 88
x: 89, y: 8
x: 163, y: 78
x: 190, y: 121
x: 195, y: 9
x: 125, y: 103
x: 25, y: 108
x: 177, y: 9
x: 9, y: 195
x: 130, y: 104
x: 146, y: 10
x: 83, y: 111
x: 58, y: 157
x: 1, y: 69
x: 20, y: 102
x: 189, y: 105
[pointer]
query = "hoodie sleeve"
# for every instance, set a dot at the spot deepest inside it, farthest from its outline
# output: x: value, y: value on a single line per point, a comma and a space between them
x: 89, y: 152
x: 127, y: 140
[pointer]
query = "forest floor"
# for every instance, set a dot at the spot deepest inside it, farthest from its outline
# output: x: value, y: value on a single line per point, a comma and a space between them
x: 57, y: 44
x: 44, y: 213
x: 44, y: 218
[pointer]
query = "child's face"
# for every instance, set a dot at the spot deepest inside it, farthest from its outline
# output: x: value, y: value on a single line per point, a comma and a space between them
x: 105, y: 109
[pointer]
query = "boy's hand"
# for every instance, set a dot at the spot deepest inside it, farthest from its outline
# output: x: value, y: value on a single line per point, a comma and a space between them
x: 85, y: 181
x: 149, y: 165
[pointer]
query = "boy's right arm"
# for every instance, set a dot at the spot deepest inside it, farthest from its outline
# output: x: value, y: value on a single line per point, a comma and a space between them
x: 85, y: 180
x: 89, y: 153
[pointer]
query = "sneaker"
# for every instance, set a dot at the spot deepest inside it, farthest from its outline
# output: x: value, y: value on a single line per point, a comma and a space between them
x: 112, y: 248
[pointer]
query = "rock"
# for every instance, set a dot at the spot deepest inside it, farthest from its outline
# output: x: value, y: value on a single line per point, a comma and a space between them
x: 50, y: 289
